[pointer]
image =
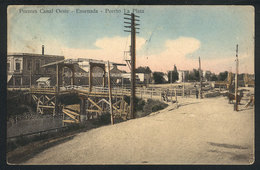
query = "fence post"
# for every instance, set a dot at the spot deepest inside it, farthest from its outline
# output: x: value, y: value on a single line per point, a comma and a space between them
x: 171, y: 94
x: 183, y: 91
x: 161, y: 96
x: 176, y: 97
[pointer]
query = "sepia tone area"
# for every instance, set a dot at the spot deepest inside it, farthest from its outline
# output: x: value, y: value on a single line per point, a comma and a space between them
x: 137, y: 92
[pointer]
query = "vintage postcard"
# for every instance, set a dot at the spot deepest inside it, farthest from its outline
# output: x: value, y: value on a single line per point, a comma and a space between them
x: 122, y: 84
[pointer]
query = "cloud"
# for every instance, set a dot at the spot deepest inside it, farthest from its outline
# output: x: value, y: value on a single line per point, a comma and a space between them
x: 176, y: 52
x: 227, y: 63
x: 108, y: 48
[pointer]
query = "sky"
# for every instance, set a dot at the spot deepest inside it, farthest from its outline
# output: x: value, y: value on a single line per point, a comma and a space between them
x: 168, y: 35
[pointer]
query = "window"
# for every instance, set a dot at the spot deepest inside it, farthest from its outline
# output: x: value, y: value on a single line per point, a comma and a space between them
x: 17, y: 66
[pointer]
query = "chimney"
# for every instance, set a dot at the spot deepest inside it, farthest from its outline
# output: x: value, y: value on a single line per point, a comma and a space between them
x: 42, y: 49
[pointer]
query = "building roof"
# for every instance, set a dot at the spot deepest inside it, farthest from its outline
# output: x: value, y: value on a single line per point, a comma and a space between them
x: 33, y: 55
x: 43, y: 79
x: 116, y: 70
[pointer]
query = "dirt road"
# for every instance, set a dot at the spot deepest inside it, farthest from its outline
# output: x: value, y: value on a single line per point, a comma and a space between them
x: 200, y: 131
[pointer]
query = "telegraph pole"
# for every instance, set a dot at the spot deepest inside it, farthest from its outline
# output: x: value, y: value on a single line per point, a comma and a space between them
x: 236, y: 81
x: 133, y: 28
x: 200, y: 74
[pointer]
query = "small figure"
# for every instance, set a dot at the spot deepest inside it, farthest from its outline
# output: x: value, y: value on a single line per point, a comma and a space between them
x: 197, y: 93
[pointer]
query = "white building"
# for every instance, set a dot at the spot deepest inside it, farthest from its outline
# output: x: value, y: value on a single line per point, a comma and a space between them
x: 182, y: 74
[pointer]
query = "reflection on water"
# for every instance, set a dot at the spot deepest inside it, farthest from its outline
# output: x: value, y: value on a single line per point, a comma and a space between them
x: 32, y: 125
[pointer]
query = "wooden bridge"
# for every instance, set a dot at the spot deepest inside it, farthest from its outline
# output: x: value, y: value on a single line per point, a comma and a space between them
x: 93, y: 103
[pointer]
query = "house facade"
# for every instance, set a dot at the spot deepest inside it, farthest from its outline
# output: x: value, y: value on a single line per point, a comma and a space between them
x: 23, y: 69
x: 182, y: 75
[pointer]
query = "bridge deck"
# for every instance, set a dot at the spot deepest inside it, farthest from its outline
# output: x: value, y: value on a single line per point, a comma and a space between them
x: 102, y: 92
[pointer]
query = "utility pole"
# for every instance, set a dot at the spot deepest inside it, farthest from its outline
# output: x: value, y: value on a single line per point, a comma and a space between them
x: 200, y: 74
x: 236, y: 81
x: 133, y: 28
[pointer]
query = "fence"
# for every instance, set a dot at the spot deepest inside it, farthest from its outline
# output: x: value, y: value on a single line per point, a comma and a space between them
x: 38, y: 133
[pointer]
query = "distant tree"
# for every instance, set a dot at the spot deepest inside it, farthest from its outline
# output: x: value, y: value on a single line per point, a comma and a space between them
x: 222, y: 76
x: 208, y: 76
x: 141, y: 69
x: 158, y: 77
x: 213, y: 77
x: 196, y: 74
x: 193, y: 75
x: 173, y: 75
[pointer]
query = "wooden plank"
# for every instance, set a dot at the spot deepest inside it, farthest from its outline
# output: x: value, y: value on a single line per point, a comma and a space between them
x: 70, y: 121
x: 117, y: 102
x: 93, y: 110
x: 73, y: 107
x: 99, y: 108
x: 116, y: 109
x: 71, y: 112
x: 44, y: 106
x: 39, y: 99
x: 68, y: 114
x: 34, y: 98
x: 103, y: 100
x: 49, y: 100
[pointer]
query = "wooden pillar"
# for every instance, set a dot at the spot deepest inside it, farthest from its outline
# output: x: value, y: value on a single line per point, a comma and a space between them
x: 90, y: 77
x: 62, y: 77
x: 63, y: 116
x: 56, y: 107
x: 183, y: 91
x: 83, y: 106
x: 104, y: 77
x: 171, y: 95
x: 87, y: 106
x: 110, y: 94
x: 13, y: 80
x: 73, y: 75
x: 176, y: 97
x: 57, y: 78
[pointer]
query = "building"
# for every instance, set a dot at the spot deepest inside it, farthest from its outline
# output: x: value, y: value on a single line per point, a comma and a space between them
x: 182, y: 75
x: 23, y: 69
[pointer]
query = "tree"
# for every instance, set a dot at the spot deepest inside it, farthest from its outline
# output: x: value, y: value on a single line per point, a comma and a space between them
x: 141, y: 69
x: 213, y: 77
x: 222, y: 76
x: 158, y: 77
x: 208, y: 75
x: 173, y: 75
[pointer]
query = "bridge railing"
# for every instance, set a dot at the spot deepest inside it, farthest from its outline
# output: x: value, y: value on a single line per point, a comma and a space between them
x: 43, y: 89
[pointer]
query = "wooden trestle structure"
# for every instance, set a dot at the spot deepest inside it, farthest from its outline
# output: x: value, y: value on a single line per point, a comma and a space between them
x: 93, y: 103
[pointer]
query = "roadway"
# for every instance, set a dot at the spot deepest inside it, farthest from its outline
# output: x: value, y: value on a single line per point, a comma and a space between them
x: 200, y: 131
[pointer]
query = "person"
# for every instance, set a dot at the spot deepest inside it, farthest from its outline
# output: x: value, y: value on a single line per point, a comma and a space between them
x: 197, y: 93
